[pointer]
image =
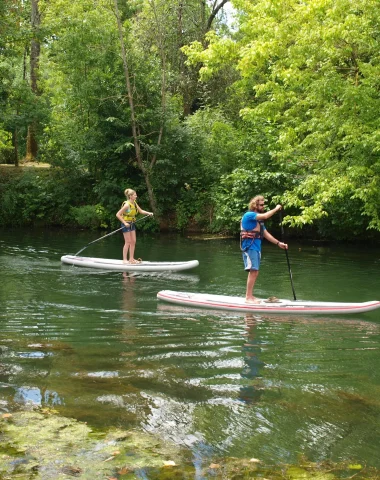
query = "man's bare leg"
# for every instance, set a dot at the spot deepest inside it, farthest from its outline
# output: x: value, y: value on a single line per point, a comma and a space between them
x: 251, y: 280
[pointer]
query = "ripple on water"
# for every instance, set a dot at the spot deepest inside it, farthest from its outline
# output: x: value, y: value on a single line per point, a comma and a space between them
x: 102, y: 349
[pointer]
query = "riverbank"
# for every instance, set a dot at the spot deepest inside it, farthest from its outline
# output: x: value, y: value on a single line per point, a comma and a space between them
x: 34, y: 194
x: 25, y: 165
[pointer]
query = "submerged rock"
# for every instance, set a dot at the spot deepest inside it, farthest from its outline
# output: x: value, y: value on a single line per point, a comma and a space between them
x: 43, y: 445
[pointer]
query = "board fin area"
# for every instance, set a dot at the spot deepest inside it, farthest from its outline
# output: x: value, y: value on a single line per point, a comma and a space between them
x: 272, y: 300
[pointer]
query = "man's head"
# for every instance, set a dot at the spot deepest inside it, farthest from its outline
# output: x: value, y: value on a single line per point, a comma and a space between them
x: 257, y: 204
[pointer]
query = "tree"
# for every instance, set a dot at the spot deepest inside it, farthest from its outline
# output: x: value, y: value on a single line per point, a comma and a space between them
x: 22, y: 105
x: 13, y: 94
x: 109, y: 98
x: 31, y: 144
x: 145, y: 169
x: 310, y: 71
x: 167, y: 26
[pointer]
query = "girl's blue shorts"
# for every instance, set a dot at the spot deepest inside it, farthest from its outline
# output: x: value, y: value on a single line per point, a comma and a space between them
x: 131, y: 227
x: 251, y: 259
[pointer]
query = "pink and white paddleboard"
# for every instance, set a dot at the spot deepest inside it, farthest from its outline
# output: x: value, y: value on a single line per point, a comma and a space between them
x: 238, y: 304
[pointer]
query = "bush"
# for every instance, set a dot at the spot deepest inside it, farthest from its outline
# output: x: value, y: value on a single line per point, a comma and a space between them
x: 89, y: 216
x: 44, y: 196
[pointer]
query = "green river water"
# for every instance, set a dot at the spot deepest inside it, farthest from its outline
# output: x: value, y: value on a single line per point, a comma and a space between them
x: 97, y: 346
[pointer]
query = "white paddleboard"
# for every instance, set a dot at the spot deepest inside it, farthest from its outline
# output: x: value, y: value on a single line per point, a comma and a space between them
x: 118, y: 265
x: 238, y: 304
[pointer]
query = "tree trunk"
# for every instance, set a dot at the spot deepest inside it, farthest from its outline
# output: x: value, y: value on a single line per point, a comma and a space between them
x: 190, y: 77
x: 136, y: 141
x: 215, y: 9
x: 15, y: 146
x: 31, y: 142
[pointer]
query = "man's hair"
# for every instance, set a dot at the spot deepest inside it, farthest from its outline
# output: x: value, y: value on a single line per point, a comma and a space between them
x: 254, y: 201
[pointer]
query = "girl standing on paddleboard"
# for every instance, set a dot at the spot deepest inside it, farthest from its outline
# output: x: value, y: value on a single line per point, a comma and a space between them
x: 127, y: 216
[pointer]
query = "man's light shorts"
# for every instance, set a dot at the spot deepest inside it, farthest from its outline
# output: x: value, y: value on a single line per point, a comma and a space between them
x: 251, y: 259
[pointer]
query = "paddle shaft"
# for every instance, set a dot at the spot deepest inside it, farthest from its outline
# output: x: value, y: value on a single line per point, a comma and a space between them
x: 287, y: 256
x: 108, y: 234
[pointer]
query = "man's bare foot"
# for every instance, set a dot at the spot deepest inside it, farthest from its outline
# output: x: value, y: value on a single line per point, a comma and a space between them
x: 125, y: 261
x: 253, y: 300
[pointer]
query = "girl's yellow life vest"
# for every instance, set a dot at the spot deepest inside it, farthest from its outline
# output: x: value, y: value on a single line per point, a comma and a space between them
x: 130, y: 214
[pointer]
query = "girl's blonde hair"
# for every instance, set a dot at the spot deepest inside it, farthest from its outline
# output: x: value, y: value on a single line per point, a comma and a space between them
x: 254, y: 201
x: 128, y: 192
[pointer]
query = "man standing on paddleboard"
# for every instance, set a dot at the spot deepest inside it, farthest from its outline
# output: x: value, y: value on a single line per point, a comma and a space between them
x: 252, y: 232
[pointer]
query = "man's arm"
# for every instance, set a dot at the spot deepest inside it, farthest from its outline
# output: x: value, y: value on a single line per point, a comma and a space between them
x: 271, y: 239
x: 270, y: 213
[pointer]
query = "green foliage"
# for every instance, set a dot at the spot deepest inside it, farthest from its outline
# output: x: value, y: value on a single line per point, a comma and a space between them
x: 220, y: 52
x: 216, y: 139
x: 89, y: 216
x: 287, y: 107
x: 337, y: 204
x: 25, y: 199
x: 6, y: 149
x: 193, y: 208
x: 310, y: 71
x: 19, y: 105
x: 90, y: 125
x: 42, y: 196
x: 236, y: 189
x: 235, y: 165
x: 320, y: 92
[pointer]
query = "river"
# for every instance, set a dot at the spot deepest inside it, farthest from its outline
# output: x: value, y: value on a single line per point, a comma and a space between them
x: 98, y: 346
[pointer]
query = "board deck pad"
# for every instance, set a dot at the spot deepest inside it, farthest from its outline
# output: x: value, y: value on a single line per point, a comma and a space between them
x: 118, y: 265
x: 238, y: 304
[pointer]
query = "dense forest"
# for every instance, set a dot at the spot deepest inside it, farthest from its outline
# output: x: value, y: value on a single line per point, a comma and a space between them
x: 198, y: 106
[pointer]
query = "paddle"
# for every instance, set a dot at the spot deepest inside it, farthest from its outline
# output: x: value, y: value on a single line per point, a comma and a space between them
x: 108, y: 234
x: 287, y: 256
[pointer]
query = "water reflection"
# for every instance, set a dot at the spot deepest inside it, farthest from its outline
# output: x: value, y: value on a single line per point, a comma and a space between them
x: 35, y: 396
x: 179, y: 310
x: 170, y: 276
x: 128, y: 304
x: 128, y: 293
x: 252, y: 392
x: 129, y: 277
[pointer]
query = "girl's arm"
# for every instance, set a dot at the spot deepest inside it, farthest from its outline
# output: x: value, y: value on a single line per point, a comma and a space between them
x: 143, y: 212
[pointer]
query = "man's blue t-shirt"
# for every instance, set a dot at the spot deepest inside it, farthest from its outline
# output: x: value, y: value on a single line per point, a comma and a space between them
x: 249, y: 222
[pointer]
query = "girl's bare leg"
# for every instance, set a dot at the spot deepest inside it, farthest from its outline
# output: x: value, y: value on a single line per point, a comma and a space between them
x: 127, y: 243
x: 132, y: 245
